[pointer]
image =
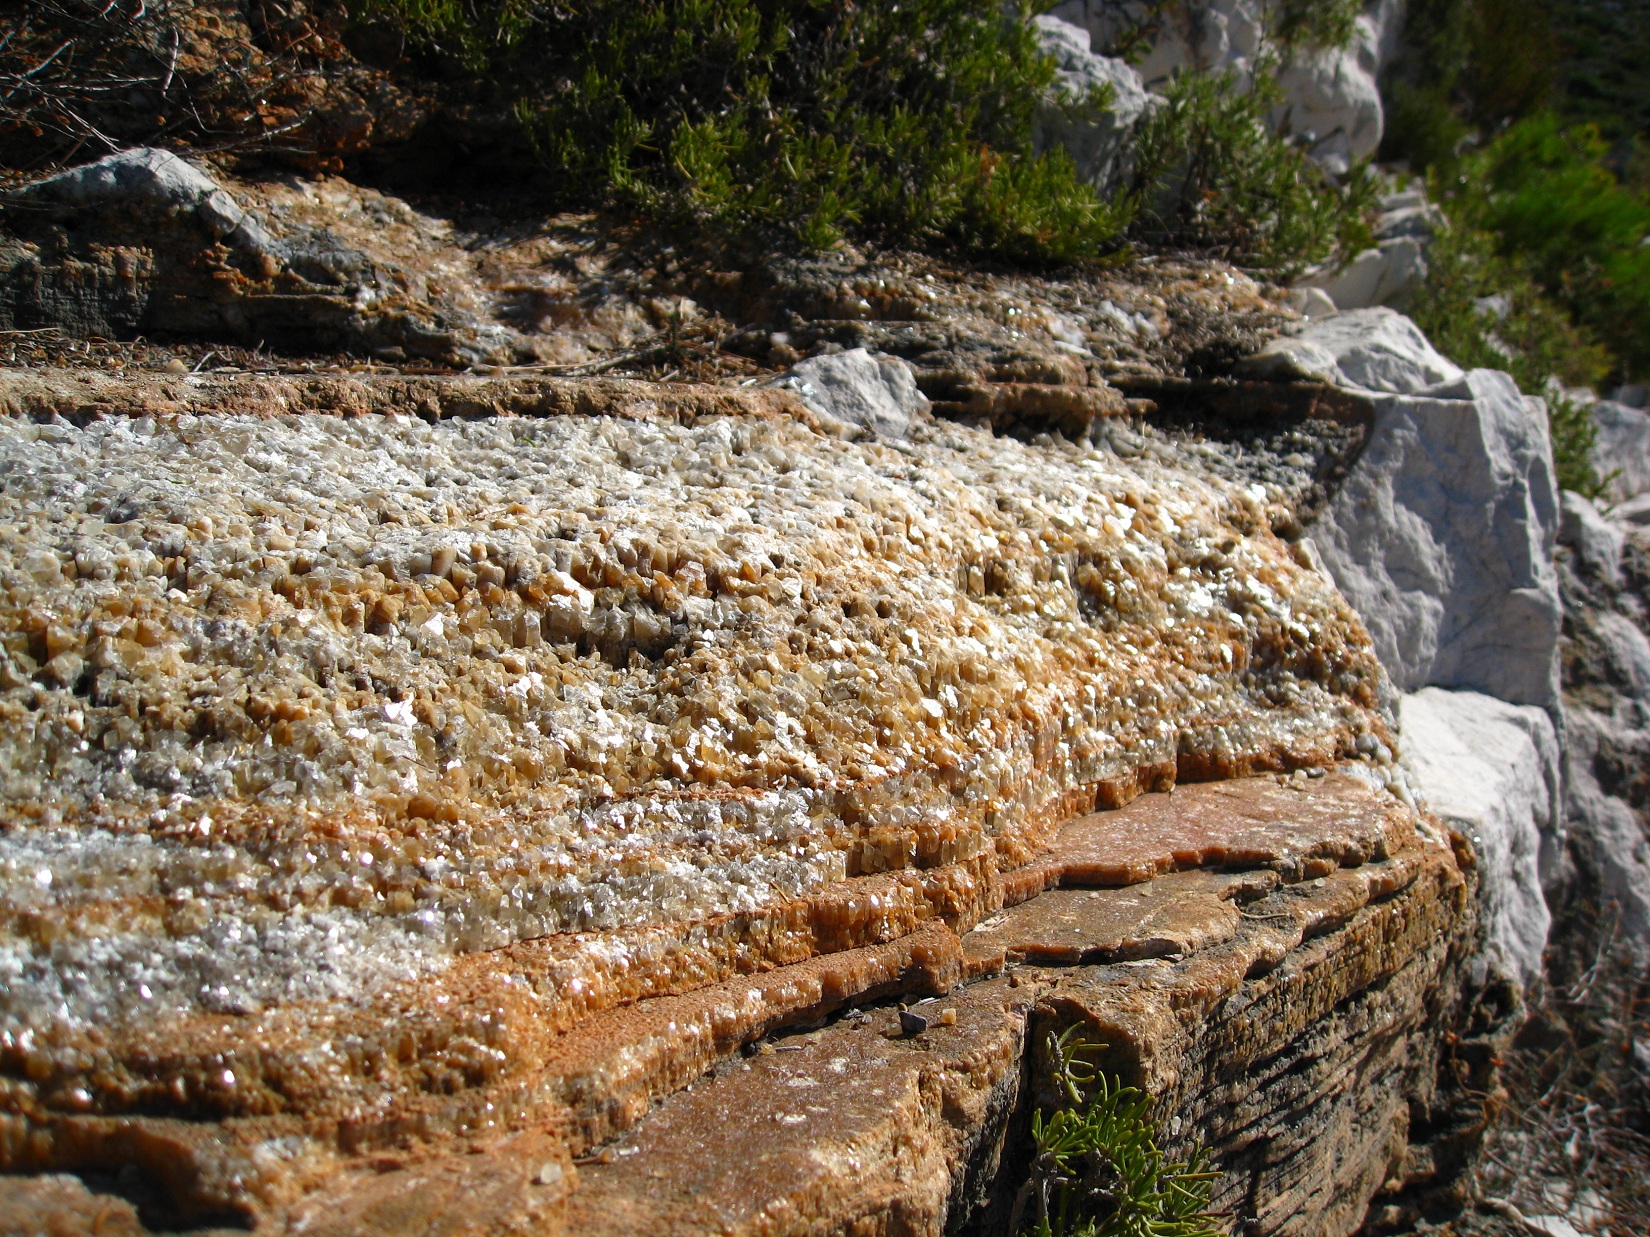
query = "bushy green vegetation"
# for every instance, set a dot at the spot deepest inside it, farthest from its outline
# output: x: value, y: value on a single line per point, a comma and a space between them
x: 1540, y: 223
x: 1548, y: 195
x: 1313, y: 23
x: 906, y: 122
x: 1494, y: 102
x: 1543, y: 272
x: 1468, y: 67
x: 1211, y: 175
x: 1099, y: 1171
x: 901, y: 121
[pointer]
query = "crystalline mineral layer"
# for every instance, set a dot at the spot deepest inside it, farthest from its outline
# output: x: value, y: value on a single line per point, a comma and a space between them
x: 339, y: 753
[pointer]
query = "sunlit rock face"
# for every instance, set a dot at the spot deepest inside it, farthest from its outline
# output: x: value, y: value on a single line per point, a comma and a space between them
x: 347, y: 761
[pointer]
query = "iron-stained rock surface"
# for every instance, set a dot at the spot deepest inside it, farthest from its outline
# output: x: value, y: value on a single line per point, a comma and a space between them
x: 383, y: 785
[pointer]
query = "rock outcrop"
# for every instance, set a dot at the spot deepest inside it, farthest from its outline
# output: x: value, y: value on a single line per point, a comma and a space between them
x: 1099, y: 144
x: 1442, y: 537
x: 1190, y: 979
x: 1330, y: 97
x: 1604, y: 571
x: 402, y: 803
x: 1491, y: 770
x: 144, y: 241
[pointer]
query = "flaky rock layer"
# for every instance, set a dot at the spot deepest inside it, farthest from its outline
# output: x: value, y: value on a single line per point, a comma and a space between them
x: 349, y: 761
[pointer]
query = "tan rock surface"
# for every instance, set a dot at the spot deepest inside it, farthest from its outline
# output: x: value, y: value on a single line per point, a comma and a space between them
x: 380, y: 786
x: 1299, y: 1076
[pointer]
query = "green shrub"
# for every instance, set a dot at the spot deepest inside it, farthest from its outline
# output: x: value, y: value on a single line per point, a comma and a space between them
x: 1313, y: 23
x: 1548, y: 195
x: 1099, y: 1172
x: 903, y: 122
x: 1466, y: 66
x: 1535, y: 339
x: 1601, y: 78
x: 1210, y: 174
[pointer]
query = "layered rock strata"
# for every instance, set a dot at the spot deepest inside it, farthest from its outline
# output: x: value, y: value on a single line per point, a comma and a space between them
x: 384, y: 786
x: 1242, y: 997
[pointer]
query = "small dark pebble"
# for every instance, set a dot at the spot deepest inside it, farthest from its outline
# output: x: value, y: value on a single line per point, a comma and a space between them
x: 912, y: 1024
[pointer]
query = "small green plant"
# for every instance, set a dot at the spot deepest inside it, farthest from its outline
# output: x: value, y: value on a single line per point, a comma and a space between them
x: 1098, y: 1170
x: 1574, y: 438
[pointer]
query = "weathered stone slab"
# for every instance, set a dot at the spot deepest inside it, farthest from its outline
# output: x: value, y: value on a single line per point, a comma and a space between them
x: 1173, y: 914
x: 1297, y: 827
x: 1222, y: 981
x: 858, y: 1129
x: 1297, y: 1065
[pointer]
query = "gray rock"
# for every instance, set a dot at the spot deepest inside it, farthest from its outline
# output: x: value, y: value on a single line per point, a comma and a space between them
x: 1330, y: 98
x: 1491, y: 769
x: 1589, y: 534
x: 1375, y: 349
x: 859, y: 388
x: 1622, y: 450
x: 1604, y: 828
x: 143, y: 242
x: 148, y: 181
x: 1098, y: 145
x: 1332, y: 101
x: 1421, y: 221
x: 1442, y: 539
x: 1626, y: 651
x: 1386, y: 275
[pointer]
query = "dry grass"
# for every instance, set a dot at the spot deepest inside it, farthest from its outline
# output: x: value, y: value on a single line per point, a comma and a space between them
x: 1572, y: 1141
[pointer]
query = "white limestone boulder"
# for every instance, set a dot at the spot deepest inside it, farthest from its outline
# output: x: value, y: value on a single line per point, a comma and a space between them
x: 1621, y: 453
x: 1099, y: 144
x: 1331, y: 99
x: 1390, y: 273
x: 1442, y: 538
x: 1374, y: 349
x: 1598, y: 541
x: 1491, y: 769
x: 859, y: 388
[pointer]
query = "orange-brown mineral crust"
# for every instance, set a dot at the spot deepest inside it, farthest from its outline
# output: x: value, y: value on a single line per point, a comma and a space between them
x: 359, y: 768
